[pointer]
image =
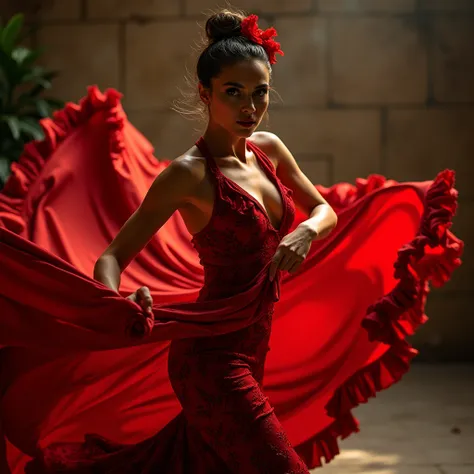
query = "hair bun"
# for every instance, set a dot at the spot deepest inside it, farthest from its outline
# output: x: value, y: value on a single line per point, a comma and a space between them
x: 224, y: 24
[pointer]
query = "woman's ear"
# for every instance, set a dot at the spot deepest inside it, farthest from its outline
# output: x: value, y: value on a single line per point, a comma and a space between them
x: 204, y: 94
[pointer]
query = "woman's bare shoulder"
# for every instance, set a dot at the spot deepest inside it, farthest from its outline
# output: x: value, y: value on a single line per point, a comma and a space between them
x: 269, y: 143
x: 191, y: 163
x: 265, y: 140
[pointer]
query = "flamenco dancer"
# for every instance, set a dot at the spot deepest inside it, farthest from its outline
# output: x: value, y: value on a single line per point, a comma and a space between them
x: 238, y: 192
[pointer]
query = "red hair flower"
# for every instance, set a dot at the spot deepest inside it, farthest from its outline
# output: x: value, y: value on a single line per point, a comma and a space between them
x: 251, y: 31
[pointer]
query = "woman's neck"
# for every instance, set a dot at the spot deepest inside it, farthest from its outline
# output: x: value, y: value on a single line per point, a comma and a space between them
x: 222, y: 144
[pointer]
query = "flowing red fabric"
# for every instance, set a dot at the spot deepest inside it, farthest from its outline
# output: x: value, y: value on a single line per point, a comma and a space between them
x: 77, y: 358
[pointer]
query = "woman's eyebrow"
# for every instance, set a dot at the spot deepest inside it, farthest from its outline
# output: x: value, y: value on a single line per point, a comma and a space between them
x: 240, y: 86
x: 235, y: 84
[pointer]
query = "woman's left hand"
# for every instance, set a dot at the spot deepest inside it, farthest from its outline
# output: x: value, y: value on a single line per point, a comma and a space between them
x: 292, y: 250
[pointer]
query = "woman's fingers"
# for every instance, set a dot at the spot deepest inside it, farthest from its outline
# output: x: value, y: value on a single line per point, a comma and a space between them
x: 274, y: 266
x: 295, y: 266
x: 132, y: 297
x: 286, y: 262
x: 144, y: 298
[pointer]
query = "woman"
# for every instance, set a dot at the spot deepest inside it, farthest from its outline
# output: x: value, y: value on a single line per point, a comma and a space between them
x: 234, y: 190
x: 239, y: 212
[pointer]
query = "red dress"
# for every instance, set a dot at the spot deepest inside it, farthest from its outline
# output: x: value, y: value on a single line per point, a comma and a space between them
x: 227, y: 423
x: 77, y: 358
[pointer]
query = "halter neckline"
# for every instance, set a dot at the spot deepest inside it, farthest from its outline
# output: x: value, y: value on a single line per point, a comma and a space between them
x: 264, y: 163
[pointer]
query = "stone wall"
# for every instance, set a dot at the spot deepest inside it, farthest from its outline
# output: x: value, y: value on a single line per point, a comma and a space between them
x: 366, y: 86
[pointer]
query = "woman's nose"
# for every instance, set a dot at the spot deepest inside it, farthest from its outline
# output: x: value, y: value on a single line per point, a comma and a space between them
x: 249, y: 107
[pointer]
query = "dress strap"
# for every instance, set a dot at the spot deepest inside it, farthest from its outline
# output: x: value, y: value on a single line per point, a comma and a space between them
x: 262, y: 157
x: 211, y: 166
x: 203, y: 148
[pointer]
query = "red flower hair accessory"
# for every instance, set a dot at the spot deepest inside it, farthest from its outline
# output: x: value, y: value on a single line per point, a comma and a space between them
x: 250, y: 30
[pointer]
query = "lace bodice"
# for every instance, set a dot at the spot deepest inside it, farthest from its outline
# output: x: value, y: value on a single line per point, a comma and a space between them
x: 239, y: 239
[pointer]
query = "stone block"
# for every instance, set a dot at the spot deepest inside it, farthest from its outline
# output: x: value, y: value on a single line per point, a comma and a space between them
x: 300, y: 77
x: 463, y: 277
x: 377, y: 61
x: 377, y: 455
x: 8, y: 8
x: 400, y: 425
x: 353, y: 466
x: 83, y: 54
x: 448, y: 335
x: 418, y: 425
x: 42, y: 9
x: 446, y: 5
x: 318, y: 167
x: 357, y: 6
x: 451, y: 449
x: 457, y: 469
x: 169, y: 132
x: 127, y: 9
x: 157, y: 56
x: 352, y: 137
x: 453, y: 59
x: 60, y: 10
x: 197, y: 7
x: 420, y: 143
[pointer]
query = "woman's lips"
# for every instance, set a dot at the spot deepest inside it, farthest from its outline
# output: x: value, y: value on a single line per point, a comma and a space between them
x: 248, y: 123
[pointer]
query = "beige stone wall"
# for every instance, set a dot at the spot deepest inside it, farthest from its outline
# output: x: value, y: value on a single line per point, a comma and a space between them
x: 367, y: 86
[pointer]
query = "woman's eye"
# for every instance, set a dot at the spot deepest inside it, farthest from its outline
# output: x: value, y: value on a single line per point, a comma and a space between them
x: 232, y: 91
x: 262, y: 92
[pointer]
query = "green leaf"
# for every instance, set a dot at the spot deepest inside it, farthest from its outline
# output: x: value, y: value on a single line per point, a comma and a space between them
x: 10, y: 68
x: 44, y: 83
x: 43, y: 107
x: 31, y: 95
x: 14, y: 125
x: 25, y: 56
x: 20, y: 53
x: 4, y: 87
x: 40, y: 76
x: 54, y: 103
x: 34, y: 73
x: 31, y: 127
x: 33, y: 56
x: 4, y: 168
x: 11, y: 31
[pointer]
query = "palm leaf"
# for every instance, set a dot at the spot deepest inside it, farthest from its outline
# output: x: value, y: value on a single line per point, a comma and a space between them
x: 32, y: 128
x: 14, y: 125
x: 11, y: 31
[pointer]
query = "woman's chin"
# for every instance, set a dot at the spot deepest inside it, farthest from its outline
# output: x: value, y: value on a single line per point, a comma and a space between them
x: 244, y: 131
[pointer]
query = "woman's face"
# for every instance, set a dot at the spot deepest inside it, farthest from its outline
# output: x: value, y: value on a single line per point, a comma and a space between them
x: 238, y: 98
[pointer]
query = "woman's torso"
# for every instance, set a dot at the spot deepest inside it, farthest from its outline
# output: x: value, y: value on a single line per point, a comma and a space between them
x: 237, y: 219
x: 249, y: 176
x: 235, y: 242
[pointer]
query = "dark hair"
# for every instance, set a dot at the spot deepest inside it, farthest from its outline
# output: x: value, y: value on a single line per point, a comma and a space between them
x: 226, y: 46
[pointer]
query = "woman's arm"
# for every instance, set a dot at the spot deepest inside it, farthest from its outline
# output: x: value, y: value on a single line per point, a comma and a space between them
x: 171, y: 189
x: 321, y: 217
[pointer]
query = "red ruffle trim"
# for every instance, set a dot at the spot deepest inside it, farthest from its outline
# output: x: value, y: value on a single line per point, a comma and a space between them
x: 430, y: 257
x: 325, y: 443
x: 14, y: 210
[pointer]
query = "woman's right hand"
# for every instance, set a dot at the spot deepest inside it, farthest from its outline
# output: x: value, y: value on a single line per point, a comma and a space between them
x: 143, y: 298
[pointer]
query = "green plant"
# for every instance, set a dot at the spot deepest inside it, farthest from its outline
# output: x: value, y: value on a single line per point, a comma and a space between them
x: 22, y: 94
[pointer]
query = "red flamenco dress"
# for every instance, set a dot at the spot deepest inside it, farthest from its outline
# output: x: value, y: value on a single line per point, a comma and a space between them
x: 90, y: 384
